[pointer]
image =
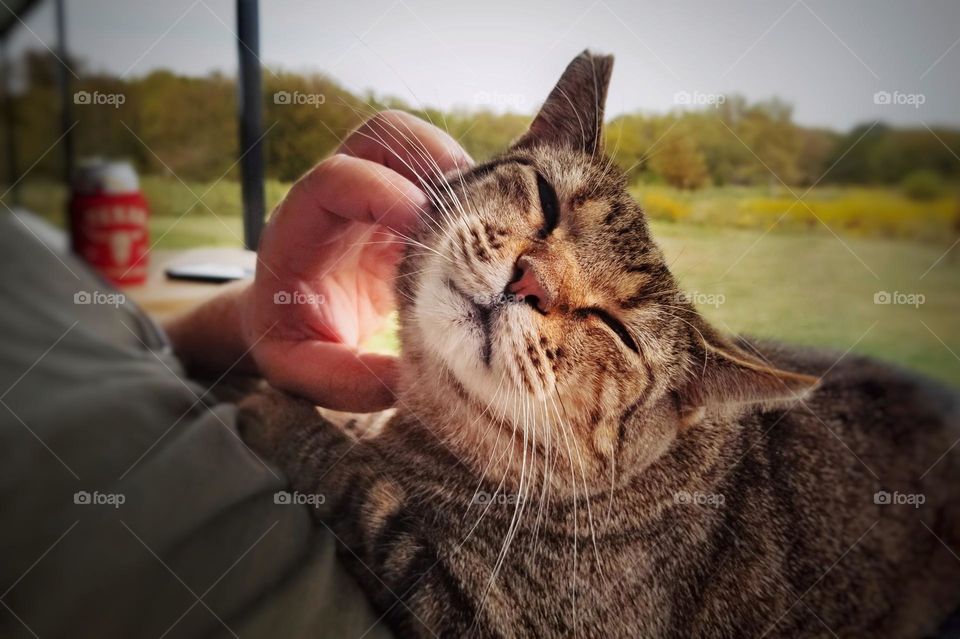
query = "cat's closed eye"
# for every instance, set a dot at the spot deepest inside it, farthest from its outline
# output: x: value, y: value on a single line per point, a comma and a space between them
x: 549, y: 205
x: 614, y: 325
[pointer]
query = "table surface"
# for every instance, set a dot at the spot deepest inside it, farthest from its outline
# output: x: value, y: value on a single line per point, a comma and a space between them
x: 162, y: 297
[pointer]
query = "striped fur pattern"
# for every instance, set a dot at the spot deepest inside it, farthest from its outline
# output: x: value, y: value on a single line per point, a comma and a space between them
x: 612, y: 466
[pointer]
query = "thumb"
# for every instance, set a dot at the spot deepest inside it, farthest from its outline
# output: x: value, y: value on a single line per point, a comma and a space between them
x: 331, y: 375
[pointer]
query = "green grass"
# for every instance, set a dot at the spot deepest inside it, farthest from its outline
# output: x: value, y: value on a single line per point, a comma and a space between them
x: 817, y: 289
x: 852, y: 211
x: 799, y: 282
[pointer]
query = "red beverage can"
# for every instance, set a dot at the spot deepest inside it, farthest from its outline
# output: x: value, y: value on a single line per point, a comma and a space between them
x: 108, y: 220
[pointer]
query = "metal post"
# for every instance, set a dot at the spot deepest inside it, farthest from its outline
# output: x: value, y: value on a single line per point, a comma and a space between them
x: 63, y: 87
x: 251, y: 149
x: 13, y: 174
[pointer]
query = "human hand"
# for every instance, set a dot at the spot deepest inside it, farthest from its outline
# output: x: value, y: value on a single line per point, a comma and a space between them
x: 327, y: 258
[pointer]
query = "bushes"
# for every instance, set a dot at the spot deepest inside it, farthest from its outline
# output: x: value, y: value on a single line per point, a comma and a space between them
x: 922, y: 185
x: 661, y: 204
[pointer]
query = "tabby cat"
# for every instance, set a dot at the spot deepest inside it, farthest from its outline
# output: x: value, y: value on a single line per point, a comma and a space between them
x: 577, y: 452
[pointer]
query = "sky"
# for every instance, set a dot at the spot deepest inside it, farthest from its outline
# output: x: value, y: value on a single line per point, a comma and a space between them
x: 839, y: 63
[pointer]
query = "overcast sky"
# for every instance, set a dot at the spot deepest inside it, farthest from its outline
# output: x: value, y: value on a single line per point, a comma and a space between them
x: 827, y: 58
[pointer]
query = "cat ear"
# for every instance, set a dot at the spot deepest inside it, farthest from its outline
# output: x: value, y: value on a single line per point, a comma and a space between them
x: 724, y: 375
x: 572, y: 116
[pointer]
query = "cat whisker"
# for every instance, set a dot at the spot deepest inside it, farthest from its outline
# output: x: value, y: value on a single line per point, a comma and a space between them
x: 586, y: 490
x: 576, y: 517
x: 428, y: 187
x: 521, y: 497
x: 376, y: 136
x: 411, y: 273
x: 703, y: 340
x: 509, y: 464
x: 426, y: 173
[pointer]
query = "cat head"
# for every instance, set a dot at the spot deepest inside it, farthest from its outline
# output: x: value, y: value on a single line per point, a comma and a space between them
x: 540, y: 323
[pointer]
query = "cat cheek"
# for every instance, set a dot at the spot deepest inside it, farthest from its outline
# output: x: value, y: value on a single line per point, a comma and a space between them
x: 605, y: 438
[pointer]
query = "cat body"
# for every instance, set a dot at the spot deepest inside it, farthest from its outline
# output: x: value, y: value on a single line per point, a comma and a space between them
x: 576, y: 452
x: 765, y: 526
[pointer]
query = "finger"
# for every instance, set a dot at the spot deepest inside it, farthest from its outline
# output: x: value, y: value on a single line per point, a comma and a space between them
x: 331, y: 375
x: 416, y: 149
x: 341, y: 188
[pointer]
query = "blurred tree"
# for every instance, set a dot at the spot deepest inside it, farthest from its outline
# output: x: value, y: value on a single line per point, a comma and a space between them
x: 188, y: 126
x: 816, y: 145
x: 680, y: 163
x: 307, y: 116
x: 875, y: 154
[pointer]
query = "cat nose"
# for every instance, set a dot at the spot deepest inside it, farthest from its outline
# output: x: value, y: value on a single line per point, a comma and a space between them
x: 527, y: 284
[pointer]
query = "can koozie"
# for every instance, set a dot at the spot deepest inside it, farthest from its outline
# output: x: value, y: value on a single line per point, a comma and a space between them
x: 109, y: 221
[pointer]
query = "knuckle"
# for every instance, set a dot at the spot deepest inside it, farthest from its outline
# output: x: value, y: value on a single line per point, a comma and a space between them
x: 391, y: 116
x: 389, y: 119
x: 331, y: 165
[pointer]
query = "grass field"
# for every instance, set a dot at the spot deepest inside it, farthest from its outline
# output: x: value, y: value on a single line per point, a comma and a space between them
x: 799, y: 282
x: 854, y: 211
x: 816, y: 289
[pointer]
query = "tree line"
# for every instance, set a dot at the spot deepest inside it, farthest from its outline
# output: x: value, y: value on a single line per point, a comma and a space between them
x: 187, y: 126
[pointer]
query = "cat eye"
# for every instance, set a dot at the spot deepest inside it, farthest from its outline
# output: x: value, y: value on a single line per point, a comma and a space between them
x: 549, y: 205
x: 616, y: 326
